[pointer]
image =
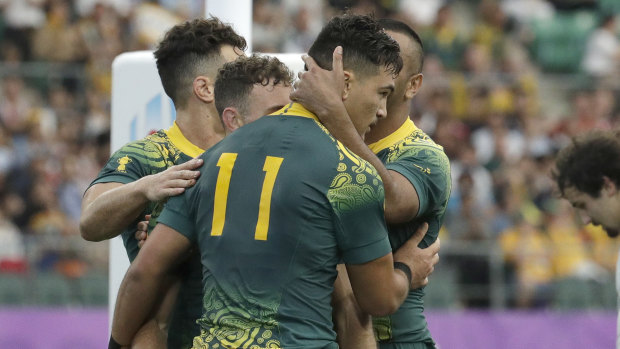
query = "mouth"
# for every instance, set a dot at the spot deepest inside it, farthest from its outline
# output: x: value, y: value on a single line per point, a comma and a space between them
x: 372, y: 124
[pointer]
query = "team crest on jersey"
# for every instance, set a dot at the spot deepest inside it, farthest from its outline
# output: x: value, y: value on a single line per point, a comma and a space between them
x: 122, y: 163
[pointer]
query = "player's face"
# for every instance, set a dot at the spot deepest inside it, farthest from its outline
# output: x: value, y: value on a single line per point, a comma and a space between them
x: 264, y: 100
x: 366, y: 101
x: 603, y: 210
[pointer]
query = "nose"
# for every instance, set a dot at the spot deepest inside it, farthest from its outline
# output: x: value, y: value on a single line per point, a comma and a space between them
x: 585, y: 219
x: 382, y: 111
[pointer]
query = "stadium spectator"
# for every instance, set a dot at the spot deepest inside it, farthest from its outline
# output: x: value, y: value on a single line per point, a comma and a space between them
x: 602, y: 55
x: 58, y: 40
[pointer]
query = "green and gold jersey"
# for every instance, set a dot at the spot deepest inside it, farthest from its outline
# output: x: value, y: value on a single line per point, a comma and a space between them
x: 410, y: 152
x: 278, y: 204
x: 151, y: 155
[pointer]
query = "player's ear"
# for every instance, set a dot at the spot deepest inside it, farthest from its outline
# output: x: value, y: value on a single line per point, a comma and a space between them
x: 349, y: 80
x: 413, y: 85
x: 232, y: 119
x: 609, y: 187
x: 204, y: 89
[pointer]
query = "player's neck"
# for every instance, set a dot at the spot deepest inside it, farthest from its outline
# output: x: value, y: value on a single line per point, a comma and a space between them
x: 202, y: 128
x: 396, y: 116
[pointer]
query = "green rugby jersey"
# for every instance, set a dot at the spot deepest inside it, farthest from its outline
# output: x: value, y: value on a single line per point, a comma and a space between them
x: 150, y: 155
x: 410, y: 152
x: 278, y: 204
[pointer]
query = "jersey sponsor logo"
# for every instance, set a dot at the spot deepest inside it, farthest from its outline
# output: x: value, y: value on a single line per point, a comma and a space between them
x: 122, y: 164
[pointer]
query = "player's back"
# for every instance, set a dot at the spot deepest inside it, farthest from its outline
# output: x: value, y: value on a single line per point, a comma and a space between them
x: 268, y: 210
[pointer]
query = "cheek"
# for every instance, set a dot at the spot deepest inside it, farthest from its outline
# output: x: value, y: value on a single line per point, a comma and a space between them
x: 371, y: 107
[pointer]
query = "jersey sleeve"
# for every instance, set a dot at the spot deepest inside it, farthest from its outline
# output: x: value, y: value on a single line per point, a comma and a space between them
x: 356, y: 195
x: 131, y: 162
x: 428, y: 170
x: 177, y: 214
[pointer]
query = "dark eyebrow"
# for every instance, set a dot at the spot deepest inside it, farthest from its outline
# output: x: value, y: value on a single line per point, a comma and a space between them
x: 389, y: 87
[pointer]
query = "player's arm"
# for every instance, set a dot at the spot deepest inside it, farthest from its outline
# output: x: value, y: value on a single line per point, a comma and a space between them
x: 353, y: 325
x: 154, y: 333
x: 380, y: 286
x: 108, y: 208
x: 320, y: 91
x: 141, y: 289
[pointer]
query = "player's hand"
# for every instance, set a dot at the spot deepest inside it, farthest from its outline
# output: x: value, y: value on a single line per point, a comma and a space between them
x: 142, y: 231
x: 410, y: 254
x: 170, y: 182
x: 424, y: 260
x: 320, y: 90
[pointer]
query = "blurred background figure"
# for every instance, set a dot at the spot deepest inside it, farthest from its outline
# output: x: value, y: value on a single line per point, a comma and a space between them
x: 602, y: 56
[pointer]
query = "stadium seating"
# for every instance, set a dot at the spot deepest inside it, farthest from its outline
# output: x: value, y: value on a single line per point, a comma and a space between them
x: 14, y: 289
x: 52, y: 289
x: 93, y: 289
x: 559, y: 43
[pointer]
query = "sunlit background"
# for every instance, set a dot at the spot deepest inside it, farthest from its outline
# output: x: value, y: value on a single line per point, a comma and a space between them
x: 506, y: 84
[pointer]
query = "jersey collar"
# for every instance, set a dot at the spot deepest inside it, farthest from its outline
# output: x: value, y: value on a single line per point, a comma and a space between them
x: 403, y: 131
x: 178, y: 139
x: 296, y: 109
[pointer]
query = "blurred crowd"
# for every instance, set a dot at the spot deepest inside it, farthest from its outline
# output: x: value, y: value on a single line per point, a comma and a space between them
x: 506, y: 84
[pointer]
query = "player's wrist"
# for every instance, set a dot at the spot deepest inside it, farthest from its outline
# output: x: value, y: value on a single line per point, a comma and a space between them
x: 143, y: 187
x: 406, y: 270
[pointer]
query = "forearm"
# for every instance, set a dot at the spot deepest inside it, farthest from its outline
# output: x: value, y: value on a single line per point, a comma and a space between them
x: 105, y: 216
x: 150, y: 336
x: 353, y: 325
x: 137, y: 298
x: 399, y: 207
x: 399, y: 290
x: 154, y: 333
x: 379, y: 288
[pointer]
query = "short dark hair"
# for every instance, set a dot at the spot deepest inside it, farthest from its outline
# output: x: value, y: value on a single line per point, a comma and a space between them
x: 584, y: 162
x: 403, y: 28
x: 186, y: 52
x: 236, y: 79
x: 366, y: 47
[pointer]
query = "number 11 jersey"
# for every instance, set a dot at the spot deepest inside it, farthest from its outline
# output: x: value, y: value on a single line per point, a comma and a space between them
x: 278, y: 204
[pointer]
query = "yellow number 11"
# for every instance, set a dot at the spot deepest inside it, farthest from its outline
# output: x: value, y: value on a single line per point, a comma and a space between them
x: 226, y: 164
